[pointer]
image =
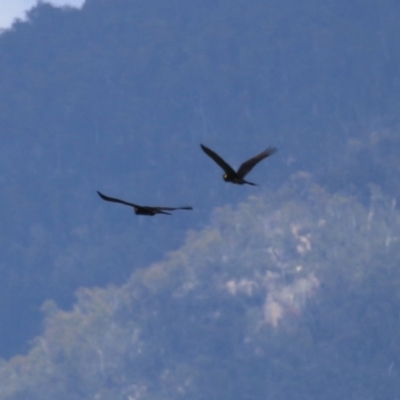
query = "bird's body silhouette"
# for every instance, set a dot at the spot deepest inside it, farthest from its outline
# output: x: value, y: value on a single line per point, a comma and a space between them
x: 144, y: 210
x: 237, y: 177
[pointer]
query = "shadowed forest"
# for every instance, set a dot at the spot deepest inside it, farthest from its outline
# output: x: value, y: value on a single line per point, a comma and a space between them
x: 287, y: 290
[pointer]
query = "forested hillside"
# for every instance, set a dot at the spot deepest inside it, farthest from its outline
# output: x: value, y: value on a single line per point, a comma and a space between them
x: 286, y: 295
x: 118, y: 96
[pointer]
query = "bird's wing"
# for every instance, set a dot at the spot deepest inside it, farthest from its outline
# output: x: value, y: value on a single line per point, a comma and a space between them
x: 248, y: 165
x: 163, y: 212
x: 173, y: 208
x: 112, y: 199
x: 223, y: 164
x: 156, y: 210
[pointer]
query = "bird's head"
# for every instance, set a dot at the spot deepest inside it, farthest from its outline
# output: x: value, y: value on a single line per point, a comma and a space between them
x: 225, y: 177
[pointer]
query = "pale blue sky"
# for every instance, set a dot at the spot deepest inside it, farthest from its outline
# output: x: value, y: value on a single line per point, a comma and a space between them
x: 12, y: 9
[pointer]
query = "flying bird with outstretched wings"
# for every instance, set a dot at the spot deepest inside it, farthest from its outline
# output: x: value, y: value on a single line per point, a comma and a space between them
x: 237, y: 177
x: 144, y: 210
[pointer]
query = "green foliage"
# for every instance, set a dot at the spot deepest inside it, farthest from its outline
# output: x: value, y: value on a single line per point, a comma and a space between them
x: 112, y: 96
x: 368, y: 158
x: 293, y: 294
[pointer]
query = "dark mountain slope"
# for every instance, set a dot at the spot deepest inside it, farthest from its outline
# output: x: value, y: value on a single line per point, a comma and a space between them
x: 280, y: 297
x: 117, y: 97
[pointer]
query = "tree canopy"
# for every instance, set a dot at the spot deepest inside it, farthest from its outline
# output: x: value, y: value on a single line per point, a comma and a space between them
x: 292, y: 294
x: 118, y: 96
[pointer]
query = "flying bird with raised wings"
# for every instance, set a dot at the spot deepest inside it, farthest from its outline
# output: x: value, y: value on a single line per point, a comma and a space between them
x: 237, y: 177
x: 144, y: 210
